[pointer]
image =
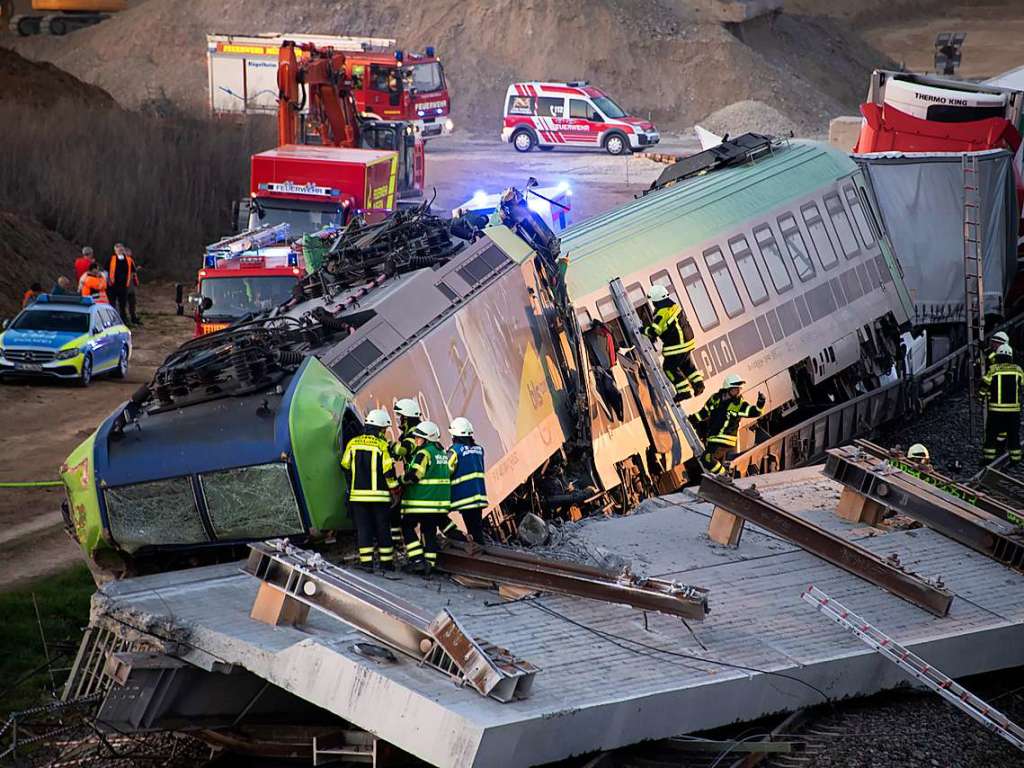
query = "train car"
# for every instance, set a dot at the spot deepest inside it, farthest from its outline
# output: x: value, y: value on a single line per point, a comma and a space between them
x: 238, y: 436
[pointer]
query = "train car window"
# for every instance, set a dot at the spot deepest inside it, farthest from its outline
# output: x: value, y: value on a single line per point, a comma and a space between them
x: 860, y: 219
x: 794, y: 240
x: 724, y: 284
x: 772, y: 256
x: 606, y: 309
x: 819, y: 236
x: 698, y: 293
x: 748, y: 270
x: 836, y: 212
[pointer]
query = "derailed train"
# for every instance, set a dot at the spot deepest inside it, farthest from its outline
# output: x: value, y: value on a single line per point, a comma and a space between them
x: 774, y: 251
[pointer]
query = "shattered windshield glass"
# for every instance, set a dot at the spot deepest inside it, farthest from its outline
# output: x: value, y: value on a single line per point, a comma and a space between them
x: 158, y: 513
x: 251, y: 502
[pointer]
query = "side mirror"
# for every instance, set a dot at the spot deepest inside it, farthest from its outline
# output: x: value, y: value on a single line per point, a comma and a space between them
x: 7, y: 321
x: 206, y: 303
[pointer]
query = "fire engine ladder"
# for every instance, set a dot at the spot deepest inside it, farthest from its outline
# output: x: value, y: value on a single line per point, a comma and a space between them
x: 974, y: 284
x: 662, y: 390
x: 918, y: 668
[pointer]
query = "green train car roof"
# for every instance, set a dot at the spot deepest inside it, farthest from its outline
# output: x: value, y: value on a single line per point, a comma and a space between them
x: 667, y: 222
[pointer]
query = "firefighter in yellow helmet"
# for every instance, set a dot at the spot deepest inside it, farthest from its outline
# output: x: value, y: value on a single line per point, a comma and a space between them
x: 1001, y: 389
x: 718, y: 421
x: 370, y: 475
x: 677, y: 343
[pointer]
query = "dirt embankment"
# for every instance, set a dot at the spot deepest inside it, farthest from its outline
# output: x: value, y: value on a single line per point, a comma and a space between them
x: 25, y: 83
x: 657, y: 57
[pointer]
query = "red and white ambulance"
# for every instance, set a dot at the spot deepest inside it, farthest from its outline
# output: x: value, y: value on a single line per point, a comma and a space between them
x: 549, y: 115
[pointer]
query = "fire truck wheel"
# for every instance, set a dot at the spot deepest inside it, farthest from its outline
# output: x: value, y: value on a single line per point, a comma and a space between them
x: 616, y: 144
x: 523, y: 140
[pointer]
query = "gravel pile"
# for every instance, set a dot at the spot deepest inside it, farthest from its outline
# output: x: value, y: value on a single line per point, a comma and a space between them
x: 749, y: 116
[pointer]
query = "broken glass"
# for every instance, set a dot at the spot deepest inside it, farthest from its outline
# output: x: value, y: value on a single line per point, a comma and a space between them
x: 157, y: 513
x: 251, y: 502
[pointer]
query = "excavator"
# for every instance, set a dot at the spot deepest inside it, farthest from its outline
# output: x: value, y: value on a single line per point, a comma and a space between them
x: 318, y: 80
x: 58, y: 17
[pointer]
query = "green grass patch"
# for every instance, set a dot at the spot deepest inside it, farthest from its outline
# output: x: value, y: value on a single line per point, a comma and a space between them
x: 64, y: 609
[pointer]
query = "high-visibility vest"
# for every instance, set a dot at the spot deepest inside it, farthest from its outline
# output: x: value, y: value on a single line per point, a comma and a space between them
x: 469, y: 487
x: 95, y: 286
x: 676, y: 337
x: 404, y: 447
x: 371, y: 471
x: 1001, y: 386
x: 427, y: 482
x: 126, y: 263
x: 723, y: 418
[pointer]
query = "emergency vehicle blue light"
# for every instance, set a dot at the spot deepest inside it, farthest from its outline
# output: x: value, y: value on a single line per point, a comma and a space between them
x: 210, y: 260
x: 293, y: 259
x: 430, y: 50
x: 399, y: 55
x: 48, y: 298
x: 439, y: 110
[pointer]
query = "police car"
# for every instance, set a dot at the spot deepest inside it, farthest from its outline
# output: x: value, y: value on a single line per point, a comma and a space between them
x: 65, y: 337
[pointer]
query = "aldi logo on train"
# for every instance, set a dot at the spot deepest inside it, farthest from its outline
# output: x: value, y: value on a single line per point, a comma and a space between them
x: 549, y: 115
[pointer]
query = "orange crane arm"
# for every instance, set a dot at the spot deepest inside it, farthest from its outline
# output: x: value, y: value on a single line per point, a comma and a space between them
x: 332, y: 108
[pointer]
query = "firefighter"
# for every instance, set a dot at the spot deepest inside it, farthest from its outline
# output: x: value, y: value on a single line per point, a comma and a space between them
x: 919, y: 453
x: 677, y: 343
x: 995, y: 341
x: 1001, y: 389
x: 426, y: 496
x: 370, y: 475
x: 469, y: 489
x: 409, y: 414
x: 719, y: 421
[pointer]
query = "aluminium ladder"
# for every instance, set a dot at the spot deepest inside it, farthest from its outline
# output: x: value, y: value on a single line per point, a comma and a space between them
x: 918, y: 668
x: 661, y: 388
x: 974, y: 284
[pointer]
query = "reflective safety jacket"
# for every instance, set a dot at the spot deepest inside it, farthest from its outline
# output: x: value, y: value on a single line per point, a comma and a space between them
x: 404, y: 447
x: 372, y: 473
x: 721, y: 416
x: 1001, y: 386
x: 121, y: 269
x: 427, y: 482
x: 469, y: 489
x: 95, y: 286
x: 676, y: 335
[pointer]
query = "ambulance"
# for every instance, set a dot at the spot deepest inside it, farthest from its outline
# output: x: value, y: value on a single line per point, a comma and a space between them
x: 549, y: 115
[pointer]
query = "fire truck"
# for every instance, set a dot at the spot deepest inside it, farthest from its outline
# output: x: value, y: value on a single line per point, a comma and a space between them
x: 243, y: 275
x: 359, y: 167
x: 387, y: 83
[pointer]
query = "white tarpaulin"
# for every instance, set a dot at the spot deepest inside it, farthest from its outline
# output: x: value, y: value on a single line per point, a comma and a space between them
x: 921, y: 197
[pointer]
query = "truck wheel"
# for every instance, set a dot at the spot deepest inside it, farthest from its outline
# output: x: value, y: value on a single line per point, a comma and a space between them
x: 523, y: 140
x: 616, y: 144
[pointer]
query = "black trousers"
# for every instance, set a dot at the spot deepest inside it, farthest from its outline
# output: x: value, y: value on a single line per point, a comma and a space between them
x: 372, y: 532
x: 425, y: 545
x: 132, y: 306
x: 997, y: 423
x: 118, y: 296
x: 474, y: 520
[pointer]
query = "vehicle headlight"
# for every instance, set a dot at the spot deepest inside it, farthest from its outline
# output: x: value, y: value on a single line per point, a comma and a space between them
x: 449, y: 125
x: 67, y: 354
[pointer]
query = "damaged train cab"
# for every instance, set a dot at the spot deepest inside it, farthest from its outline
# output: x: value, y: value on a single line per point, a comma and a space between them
x: 776, y: 256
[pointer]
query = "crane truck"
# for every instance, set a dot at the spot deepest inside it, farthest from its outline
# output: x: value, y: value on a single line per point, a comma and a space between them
x: 58, y: 17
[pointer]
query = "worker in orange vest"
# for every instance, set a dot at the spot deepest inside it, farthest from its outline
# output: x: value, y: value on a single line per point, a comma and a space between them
x: 94, y: 284
x: 121, y: 268
x: 31, y: 294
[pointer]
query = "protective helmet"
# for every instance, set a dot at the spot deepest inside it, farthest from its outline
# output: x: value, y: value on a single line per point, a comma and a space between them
x: 918, y: 451
x: 657, y: 293
x: 378, y: 417
x: 460, y: 427
x: 1004, y: 350
x: 428, y: 430
x: 999, y: 336
x: 733, y: 380
x: 409, y: 408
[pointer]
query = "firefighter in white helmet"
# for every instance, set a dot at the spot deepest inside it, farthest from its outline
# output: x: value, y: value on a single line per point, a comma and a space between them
x: 409, y: 414
x: 1002, y: 390
x: 426, y: 496
x: 992, y: 345
x: 469, y: 487
x: 919, y: 453
x: 677, y: 343
x: 371, y: 480
x: 719, y: 421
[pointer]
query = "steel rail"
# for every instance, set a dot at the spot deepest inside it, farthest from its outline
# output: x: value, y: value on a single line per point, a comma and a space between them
x: 842, y: 553
x: 511, y: 567
x: 917, y: 499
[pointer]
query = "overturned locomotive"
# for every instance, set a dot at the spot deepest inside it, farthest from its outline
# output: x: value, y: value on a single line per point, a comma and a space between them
x: 775, y: 253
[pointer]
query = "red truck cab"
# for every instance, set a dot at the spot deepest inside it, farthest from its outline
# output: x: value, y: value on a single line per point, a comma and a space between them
x: 395, y: 85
